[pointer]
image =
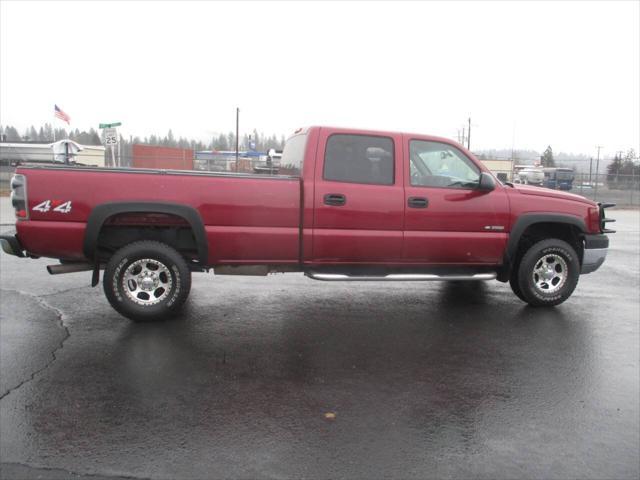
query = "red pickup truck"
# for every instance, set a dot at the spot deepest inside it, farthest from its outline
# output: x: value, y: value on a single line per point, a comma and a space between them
x: 345, y: 205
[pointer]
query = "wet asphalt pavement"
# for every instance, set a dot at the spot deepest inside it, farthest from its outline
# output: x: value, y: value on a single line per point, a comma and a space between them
x: 425, y: 380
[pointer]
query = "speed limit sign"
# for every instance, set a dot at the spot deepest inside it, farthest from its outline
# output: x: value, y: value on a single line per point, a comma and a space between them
x: 110, y: 136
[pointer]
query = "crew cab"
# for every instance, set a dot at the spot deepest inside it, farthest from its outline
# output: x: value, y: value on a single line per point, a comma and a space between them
x: 346, y: 205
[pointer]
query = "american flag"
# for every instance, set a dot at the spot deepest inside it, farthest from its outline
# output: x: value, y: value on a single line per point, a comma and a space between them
x: 61, y: 115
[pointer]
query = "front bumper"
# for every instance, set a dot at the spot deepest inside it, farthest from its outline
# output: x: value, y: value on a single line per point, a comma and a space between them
x: 595, y: 252
x: 11, y: 245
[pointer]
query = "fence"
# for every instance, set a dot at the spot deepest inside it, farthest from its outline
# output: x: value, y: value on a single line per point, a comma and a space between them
x: 623, y: 190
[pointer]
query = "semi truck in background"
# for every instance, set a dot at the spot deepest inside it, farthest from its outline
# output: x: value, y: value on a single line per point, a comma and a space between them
x: 528, y: 174
x: 558, y: 178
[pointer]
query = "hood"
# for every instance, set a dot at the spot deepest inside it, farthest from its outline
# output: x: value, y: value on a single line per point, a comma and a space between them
x: 546, y: 192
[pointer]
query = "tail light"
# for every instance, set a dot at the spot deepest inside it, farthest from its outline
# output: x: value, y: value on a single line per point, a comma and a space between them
x: 19, y: 196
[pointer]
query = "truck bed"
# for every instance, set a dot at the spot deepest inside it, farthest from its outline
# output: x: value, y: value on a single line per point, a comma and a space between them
x: 247, y: 218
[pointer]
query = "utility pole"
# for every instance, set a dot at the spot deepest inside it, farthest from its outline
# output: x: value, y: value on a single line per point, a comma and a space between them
x: 595, y: 194
x: 237, y: 134
x: 469, y: 136
x: 513, y: 141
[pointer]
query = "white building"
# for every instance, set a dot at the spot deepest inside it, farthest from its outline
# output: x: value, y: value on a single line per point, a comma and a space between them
x: 19, y: 152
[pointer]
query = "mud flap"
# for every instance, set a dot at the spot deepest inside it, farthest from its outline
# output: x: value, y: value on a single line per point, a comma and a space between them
x: 95, y: 276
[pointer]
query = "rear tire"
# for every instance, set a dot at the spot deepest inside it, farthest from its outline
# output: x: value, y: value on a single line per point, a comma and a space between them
x: 146, y: 281
x: 548, y: 273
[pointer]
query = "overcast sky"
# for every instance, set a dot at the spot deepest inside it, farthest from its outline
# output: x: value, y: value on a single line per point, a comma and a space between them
x: 532, y: 74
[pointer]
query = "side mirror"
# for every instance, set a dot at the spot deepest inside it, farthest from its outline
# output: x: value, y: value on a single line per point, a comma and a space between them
x: 486, y: 183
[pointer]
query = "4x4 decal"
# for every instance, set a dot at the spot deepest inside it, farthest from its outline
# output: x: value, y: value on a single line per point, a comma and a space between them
x: 53, y: 205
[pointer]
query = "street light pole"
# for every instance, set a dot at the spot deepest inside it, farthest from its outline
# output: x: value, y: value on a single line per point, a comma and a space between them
x: 595, y: 193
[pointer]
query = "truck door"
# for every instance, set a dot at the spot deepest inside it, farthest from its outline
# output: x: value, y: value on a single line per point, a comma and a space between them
x: 448, y: 220
x: 358, y: 199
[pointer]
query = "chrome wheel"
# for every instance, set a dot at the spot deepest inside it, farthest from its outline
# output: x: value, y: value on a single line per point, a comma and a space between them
x: 550, y: 273
x: 147, y: 281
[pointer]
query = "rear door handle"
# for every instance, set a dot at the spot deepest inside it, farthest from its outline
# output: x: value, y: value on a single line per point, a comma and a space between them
x: 336, y: 199
x: 417, y: 202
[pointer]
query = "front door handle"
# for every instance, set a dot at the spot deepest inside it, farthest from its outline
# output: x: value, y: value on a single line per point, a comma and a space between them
x: 335, y: 199
x: 417, y: 202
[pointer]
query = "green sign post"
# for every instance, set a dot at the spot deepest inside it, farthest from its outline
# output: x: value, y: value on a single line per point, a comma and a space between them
x: 110, y: 125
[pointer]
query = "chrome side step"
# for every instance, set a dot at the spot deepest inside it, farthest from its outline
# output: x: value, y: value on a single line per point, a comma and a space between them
x: 398, y: 277
x: 69, y: 268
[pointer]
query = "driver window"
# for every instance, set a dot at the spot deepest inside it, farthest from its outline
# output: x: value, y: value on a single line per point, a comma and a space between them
x: 435, y: 164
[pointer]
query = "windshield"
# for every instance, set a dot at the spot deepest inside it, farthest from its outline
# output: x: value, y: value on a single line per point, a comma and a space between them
x: 564, y: 175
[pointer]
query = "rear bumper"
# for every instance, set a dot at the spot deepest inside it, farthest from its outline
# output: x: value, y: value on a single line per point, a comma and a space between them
x: 11, y: 245
x: 595, y: 252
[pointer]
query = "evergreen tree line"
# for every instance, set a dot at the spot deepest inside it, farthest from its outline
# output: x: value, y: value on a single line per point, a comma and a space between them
x: 530, y: 156
x: 254, y: 141
x: 624, y: 171
x: 46, y: 133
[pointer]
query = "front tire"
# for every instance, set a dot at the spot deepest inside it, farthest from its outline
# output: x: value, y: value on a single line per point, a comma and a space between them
x: 146, y: 281
x: 548, y: 273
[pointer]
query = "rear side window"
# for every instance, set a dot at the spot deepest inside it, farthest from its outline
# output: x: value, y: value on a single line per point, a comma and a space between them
x: 293, y: 155
x: 359, y: 159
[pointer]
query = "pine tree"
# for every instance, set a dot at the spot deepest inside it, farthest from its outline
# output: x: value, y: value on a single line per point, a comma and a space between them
x: 221, y: 143
x: 169, y: 140
x: 613, y: 170
x: 621, y: 171
x: 48, y: 132
x: 547, y: 158
x: 12, y: 134
x: 94, y: 138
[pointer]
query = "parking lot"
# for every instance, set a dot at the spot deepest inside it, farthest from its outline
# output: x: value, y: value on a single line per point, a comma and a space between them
x: 284, y: 377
